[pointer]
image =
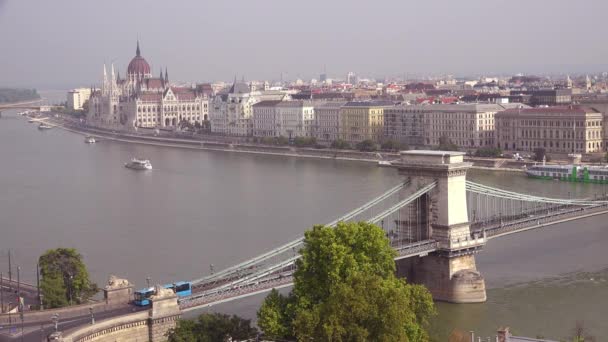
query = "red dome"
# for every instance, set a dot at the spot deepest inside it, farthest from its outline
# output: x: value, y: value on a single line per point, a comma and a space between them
x: 138, y: 65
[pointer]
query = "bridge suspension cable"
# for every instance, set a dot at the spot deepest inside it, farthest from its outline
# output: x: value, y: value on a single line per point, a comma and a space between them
x: 298, y: 241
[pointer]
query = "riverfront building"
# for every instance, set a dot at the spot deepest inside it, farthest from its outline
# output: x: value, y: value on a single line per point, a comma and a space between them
x: 565, y: 129
x: 290, y: 119
x: 142, y: 101
x: 77, y: 98
x: 327, y: 121
x: 362, y: 120
x: 232, y: 109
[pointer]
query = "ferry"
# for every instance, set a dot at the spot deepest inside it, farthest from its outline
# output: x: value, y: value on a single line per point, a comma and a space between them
x: 44, y: 126
x: 570, y: 173
x: 139, y: 164
x: 89, y: 140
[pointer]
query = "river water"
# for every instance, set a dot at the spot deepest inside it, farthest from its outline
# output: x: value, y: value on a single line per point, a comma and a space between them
x: 199, y: 208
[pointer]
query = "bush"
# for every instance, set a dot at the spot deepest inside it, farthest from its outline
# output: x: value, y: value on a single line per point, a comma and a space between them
x: 367, y: 146
x: 340, y: 144
x: 305, y: 141
x: 490, y: 152
x: 393, y: 145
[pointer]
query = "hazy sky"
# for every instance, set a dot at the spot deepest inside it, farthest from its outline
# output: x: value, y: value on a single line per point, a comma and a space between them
x: 64, y: 43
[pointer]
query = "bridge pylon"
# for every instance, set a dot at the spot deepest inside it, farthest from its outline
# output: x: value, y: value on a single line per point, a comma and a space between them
x: 450, y: 273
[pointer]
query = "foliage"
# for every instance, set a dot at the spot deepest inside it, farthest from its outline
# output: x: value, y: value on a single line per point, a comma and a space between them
x: 367, y: 146
x: 340, y: 144
x: 345, y: 289
x: 8, y: 95
x: 393, y: 145
x: 212, y: 327
x: 53, y: 290
x: 64, y: 272
x: 445, y: 144
x: 490, y: 152
x: 274, y: 316
x: 305, y: 141
x: 539, y: 153
x: 581, y: 334
x: 279, y: 141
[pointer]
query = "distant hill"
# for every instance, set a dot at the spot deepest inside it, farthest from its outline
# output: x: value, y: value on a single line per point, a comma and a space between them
x: 9, y: 95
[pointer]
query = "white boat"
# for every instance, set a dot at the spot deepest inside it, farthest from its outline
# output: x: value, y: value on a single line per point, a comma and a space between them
x: 139, y: 164
x: 570, y: 173
x: 384, y: 163
x: 44, y: 126
x: 31, y: 120
x: 89, y: 140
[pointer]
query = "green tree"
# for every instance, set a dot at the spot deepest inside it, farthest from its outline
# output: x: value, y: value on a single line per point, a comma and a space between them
x: 540, y: 153
x: 63, y: 271
x: 212, y: 327
x: 491, y: 152
x: 367, y: 146
x: 53, y: 290
x: 345, y: 289
x: 274, y: 316
x: 393, y: 145
x: 305, y: 141
x: 340, y: 144
x: 445, y: 144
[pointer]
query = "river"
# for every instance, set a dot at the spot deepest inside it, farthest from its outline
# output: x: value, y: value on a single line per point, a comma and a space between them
x: 199, y: 208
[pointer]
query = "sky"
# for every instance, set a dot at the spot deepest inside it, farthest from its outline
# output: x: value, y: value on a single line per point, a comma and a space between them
x: 57, y: 44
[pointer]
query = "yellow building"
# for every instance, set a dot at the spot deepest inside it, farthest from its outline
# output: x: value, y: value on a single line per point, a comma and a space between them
x: 77, y: 97
x: 362, y: 121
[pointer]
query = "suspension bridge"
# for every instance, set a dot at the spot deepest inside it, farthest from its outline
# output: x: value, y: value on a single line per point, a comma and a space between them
x: 435, y: 220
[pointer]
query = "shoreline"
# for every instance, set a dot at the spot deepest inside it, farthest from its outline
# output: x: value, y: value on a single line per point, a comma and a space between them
x: 284, y: 151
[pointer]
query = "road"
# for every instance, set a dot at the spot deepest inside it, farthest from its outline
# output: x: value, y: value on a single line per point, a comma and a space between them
x: 37, y: 331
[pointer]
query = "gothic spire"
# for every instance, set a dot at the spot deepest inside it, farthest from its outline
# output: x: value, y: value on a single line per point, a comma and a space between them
x: 166, y: 76
x: 137, y: 52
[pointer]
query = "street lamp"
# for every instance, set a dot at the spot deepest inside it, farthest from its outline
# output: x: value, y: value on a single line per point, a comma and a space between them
x: 92, y: 317
x: 148, y: 281
x: 9, y: 313
x: 55, y: 319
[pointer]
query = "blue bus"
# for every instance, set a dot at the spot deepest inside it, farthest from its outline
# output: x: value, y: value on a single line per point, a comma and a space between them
x: 142, y: 297
x: 181, y: 288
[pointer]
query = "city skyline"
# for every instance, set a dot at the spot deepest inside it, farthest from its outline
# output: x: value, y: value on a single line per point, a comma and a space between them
x: 215, y: 41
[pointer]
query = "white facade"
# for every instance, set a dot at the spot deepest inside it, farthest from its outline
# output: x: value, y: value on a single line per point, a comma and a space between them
x: 289, y: 119
x: 77, y: 98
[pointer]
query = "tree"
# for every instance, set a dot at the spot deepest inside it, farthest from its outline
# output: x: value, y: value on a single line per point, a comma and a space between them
x: 212, y: 327
x: 367, y: 146
x: 340, y: 144
x: 274, y: 316
x: 491, y: 152
x: 445, y: 144
x: 393, y: 145
x: 64, y: 272
x: 540, y: 153
x: 345, y: 289
x: 305, y: 141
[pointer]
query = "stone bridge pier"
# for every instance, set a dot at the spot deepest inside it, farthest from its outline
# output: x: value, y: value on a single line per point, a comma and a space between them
x: 450, y: 273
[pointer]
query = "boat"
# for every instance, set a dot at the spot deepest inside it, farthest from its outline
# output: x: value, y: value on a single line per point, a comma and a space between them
x: 570, y: 173
x: 89, y: 140
x: 139, y: 164
x: 44, y: 126
x: 31, y: 120
x: 384, y: 163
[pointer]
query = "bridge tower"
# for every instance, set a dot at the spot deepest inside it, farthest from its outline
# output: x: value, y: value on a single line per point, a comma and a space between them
x: 450, y: 273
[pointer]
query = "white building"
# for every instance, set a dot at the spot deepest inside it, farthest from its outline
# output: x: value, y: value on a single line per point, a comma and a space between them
x: 289, y: 119
x: 77, y: 97
x: 231, y: 111
x: 327, y: 121
x: 141, y: 101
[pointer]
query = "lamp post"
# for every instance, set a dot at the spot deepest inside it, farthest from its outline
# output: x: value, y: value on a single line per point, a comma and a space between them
x: 55, y: 319
x: 9, y: 314
x: 148, y: 281
x: 92, y: 317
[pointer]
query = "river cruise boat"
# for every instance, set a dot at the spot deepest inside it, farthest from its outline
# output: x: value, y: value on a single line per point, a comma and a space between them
x: 139, y: 164
x: 89, y: 140
x: 570, y: 173
x: 44, y: 126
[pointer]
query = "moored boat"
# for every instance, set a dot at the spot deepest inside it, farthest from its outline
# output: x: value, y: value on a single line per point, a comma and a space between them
x: 44, y: 126
x: 384, y: 163
x: 139, y: 164
x: 570, y: 173
x: 89, y: 140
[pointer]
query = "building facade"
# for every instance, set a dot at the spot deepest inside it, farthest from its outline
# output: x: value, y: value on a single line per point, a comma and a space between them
x: 142, y: 101
x: 362, y: 120
x: 289, y: 119
x: 327, y: 121
x: 566, y: 129
x: 77, y: 98
x: 404, y: 125
x: 232, y: 109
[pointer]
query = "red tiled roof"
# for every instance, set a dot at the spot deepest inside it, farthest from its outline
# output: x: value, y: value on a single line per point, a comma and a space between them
x: 154, y: 83
x: 150, y: 97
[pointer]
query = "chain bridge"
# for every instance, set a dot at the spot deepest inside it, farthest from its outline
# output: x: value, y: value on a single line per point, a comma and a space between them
x: 435, y: 220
